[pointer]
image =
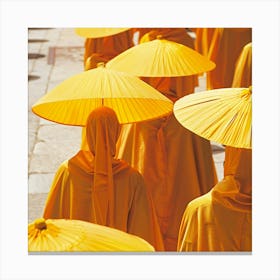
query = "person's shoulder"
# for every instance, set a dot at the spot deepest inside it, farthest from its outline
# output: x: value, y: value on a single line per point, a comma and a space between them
x: 200, y: 203
x: 63, y: 166
x: 134, y: 174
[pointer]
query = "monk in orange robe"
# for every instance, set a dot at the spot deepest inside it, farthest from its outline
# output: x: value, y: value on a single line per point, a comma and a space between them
x: 105, y: 48
x: 96, y: 187
x: 221, y: 220
x: 243, y: 69
x: 177, y: 165
x: 225, y: 48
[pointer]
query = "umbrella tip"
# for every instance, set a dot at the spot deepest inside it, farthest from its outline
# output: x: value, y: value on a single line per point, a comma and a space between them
x: 40, y: 224
x: 101, y: 64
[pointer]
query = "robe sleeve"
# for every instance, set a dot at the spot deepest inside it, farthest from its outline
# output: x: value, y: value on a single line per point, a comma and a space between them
x: 187, y: 237
x: 142, y: 219
x: 57, y: 203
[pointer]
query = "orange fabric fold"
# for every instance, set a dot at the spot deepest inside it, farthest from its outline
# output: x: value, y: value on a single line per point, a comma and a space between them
x: 97, y: 187
x: 243, y: 70
x: 203, y: 40
x: 224, y: 50
x: 176, y: 164
x: 221, y: 220
x: 106, y: 48
x: 102, y: 132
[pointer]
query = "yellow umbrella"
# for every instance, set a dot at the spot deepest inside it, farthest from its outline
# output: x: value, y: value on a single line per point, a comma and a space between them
x: 221, y: 115
x: 161, y: 58
x: 98, y: 32
x: 60, y: 235
x: 72, y: 101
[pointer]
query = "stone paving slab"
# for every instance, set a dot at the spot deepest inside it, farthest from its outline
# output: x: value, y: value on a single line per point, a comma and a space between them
x: 36, y: 203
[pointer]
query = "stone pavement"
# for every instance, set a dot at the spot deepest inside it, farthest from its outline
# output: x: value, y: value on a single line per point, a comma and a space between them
x: 53, y: 56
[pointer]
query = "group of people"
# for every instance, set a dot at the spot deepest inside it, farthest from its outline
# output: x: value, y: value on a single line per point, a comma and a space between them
x: 156, y: 179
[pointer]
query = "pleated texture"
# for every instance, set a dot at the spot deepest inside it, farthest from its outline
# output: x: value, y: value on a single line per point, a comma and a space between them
x: 222, y: 115
x: 98, y: 32
x: 72, y: 101
x: 161, y: 58
x: 172, y: 87
x: 63, y: 235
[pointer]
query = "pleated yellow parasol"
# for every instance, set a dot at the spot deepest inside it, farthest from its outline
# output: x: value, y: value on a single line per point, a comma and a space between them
x: 161, y: 58
x: 221, y: 115
x: 72, y: 101
x: 61, y: 235
x: 98, y: 32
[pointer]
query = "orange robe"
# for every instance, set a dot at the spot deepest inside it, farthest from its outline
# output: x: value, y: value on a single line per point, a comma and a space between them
x: 94, y: 186
x: 243, y: 70
x: 105, y: 48
x: 221, y: 220
x: 177, y: 166
x: 203, y: 40
x: 225, y: 47
x: 173, y: 86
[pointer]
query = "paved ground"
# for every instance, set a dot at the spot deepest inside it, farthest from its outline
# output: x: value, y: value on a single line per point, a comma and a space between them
x: 53, y: 56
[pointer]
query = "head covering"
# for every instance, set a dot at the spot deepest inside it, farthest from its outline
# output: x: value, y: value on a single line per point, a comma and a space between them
x: 102, y: 132
x: 93, y: 60
x: 243, y: 69
x: 238, y: 163
x: 235, y: 190
x: 178, y: 35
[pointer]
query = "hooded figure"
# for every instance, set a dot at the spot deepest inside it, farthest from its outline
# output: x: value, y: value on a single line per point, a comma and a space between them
x: 221, y: 220
x: 96, y: 187
x: 177, y: 165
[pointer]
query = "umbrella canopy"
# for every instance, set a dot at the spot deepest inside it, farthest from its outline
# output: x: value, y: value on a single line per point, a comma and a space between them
x: 98, y: 32
x: 74, y: 99
x: 221, y: 115
x: 161, y: 58
x: 60, y: 235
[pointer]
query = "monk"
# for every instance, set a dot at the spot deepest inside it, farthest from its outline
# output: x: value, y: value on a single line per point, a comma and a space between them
x: 105, y: 48
x: 221, y: 220
x: 225, y: 48
x: 97, y: 187
x: 176, y: 164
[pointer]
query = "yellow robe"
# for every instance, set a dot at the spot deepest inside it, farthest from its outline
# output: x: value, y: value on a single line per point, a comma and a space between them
x: 95, y: 187
x: 177, y: 166
x: 221, y: 220
x: 243, y: 70
x: 225, y: 47
x: 105, y: 48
